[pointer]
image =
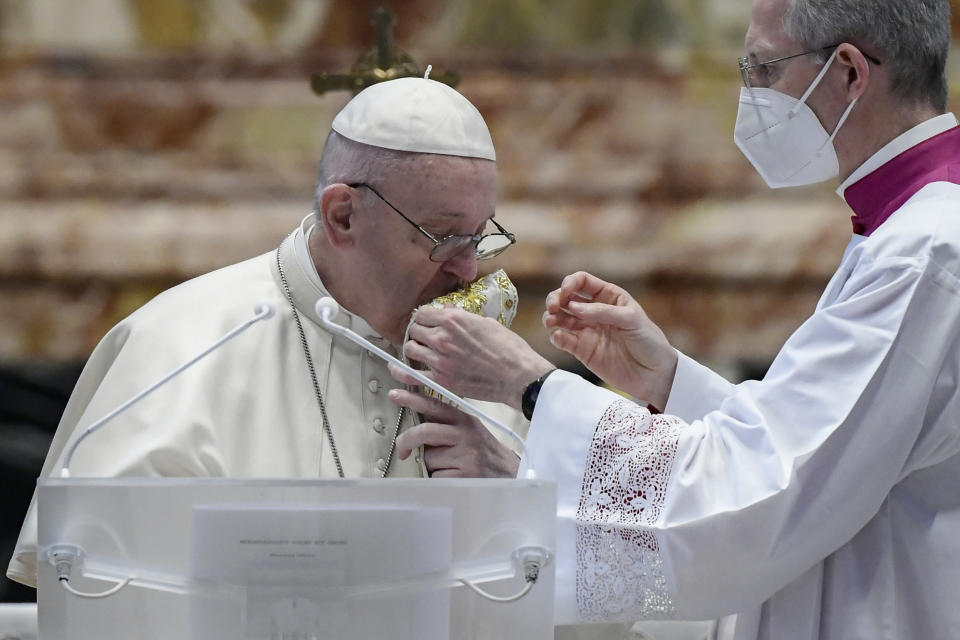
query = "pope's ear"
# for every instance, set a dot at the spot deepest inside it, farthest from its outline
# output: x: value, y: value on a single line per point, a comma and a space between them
x: 336, y: 215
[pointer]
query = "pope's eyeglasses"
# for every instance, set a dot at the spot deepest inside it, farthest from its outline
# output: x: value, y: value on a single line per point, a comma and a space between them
x: 445, y: 247
x: 758, y: 75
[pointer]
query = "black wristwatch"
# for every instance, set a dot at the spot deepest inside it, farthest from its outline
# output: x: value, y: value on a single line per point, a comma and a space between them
x: 529, y: 399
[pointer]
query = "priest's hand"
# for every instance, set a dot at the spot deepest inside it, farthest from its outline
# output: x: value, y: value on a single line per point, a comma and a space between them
x: 603, y: 327
x: 471, y: 355
x: 455, y: 445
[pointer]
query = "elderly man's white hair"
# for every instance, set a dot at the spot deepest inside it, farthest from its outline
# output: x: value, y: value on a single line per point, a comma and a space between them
x: 911, y: 36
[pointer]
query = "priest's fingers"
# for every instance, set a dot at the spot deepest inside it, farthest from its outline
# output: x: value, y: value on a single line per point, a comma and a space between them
x: 586, y: 286
x: 562, y: 319
x: 596, y: 314
x: 566, y: 341
x: 552, y: 302
x: 557, y: 317
x: 557, y: 299
x: 426, y: 434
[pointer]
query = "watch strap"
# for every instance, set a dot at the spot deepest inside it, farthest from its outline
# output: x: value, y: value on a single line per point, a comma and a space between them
x: 528, y: 401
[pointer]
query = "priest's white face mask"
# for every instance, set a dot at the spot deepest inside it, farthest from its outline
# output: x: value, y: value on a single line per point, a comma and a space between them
x: 782, y: 137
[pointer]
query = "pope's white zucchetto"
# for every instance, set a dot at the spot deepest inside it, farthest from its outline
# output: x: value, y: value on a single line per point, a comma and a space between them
x: 418, y: 115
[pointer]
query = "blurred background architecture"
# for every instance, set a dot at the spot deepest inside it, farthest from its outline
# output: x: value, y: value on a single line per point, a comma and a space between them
x: 144, y: 142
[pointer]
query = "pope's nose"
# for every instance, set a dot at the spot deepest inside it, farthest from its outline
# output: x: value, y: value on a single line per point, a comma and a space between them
x: 463, y: 265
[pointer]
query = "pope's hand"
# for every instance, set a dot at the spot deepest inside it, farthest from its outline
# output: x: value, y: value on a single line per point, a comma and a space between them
x: 472, y: 356
x: 455, y: 445
x: 603, y: 327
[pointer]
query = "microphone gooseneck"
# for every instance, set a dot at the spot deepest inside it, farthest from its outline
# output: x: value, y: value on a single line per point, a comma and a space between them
x: 327, y: 308
x: 262, y: 311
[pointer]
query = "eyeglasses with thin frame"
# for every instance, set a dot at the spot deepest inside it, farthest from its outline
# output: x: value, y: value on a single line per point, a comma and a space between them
x: 445, y: 247
x: 758, y: 75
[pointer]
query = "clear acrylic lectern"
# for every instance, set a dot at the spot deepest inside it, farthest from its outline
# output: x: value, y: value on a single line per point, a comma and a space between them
x: 266, y: 559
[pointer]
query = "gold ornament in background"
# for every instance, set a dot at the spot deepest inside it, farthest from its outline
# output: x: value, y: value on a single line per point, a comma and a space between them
x: 385, y: 62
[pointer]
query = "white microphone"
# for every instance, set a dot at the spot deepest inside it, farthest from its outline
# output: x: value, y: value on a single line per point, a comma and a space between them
x: 327, y: 309
x: 262, y: 311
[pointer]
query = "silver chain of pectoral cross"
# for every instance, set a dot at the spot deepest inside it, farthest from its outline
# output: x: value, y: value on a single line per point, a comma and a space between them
x: 316, y: 385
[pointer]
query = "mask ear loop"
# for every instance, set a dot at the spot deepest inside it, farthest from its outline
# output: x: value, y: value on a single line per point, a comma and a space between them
x: 810, y: 89
x: 843, y: 118
x: 846, y: 112
x: 813, y: 85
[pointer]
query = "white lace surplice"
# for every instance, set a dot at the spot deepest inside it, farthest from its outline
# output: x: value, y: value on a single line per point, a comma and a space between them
x: 611, y: 485
x: 624, y: 486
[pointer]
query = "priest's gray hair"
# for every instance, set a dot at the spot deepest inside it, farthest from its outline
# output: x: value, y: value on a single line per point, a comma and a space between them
x: 347, y: 161
x: 912, y: 36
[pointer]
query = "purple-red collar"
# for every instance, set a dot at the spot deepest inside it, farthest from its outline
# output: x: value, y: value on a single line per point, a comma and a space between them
x: 875, y: 197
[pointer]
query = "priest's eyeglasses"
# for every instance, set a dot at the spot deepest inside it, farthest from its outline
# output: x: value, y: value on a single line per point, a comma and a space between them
x: 758, y: 75
x: 445, y: 247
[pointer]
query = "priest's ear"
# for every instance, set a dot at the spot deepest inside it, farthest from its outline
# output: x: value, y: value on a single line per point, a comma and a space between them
x: 337, y: 206
x: 857, y: 67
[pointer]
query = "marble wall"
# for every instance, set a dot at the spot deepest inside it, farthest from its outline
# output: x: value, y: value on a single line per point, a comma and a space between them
x: 142, y: 143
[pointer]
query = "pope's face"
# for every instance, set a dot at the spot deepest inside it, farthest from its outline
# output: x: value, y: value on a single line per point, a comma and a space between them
x: 444, y: 195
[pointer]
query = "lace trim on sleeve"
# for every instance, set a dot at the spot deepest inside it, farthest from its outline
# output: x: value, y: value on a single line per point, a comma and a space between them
x: 619, y: 571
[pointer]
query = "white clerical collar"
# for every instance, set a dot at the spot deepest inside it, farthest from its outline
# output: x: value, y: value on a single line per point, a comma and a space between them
x: 302, y: 253
x: 910, y: 138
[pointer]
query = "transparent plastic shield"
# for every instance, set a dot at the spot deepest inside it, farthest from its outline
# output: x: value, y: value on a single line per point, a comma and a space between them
x: 285, y: 559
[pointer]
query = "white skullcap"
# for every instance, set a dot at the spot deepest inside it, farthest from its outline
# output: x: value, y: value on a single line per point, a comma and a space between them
x: 416, y: 114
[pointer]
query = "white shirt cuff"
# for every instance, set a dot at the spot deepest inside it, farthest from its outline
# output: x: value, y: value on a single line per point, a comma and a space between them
x: 696, y: 390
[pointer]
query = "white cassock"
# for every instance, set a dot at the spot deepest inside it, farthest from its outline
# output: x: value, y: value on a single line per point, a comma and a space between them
x: 248, y: 409
x: 822, y: 502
